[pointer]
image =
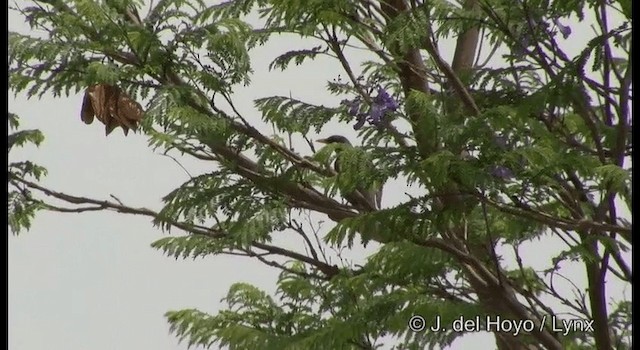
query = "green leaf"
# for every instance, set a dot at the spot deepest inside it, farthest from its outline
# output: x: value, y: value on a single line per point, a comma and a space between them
x: 613, y: 177
x: 293, y: 115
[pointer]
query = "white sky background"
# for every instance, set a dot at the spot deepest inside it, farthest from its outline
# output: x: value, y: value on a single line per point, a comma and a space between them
x: 91, y: 281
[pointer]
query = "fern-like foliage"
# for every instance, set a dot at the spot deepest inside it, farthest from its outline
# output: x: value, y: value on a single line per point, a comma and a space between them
x: 22, y: 207
x: 293, y: 115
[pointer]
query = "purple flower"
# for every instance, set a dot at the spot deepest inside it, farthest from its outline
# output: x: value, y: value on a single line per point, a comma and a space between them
x: 501, y: 172
x: 353, y: 106
x: 360, y: 123
x: 380, y: 106
x: 376, y: 113
x: 386, y: 100
x: 564, y: 30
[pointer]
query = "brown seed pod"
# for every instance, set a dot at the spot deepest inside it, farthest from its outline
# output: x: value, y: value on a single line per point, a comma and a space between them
x: 112, y: 107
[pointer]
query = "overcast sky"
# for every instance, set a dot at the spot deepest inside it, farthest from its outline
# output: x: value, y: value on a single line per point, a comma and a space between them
x: 92, y: 281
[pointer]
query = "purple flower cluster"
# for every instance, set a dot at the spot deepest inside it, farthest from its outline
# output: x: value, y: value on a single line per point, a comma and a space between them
x: 381, y: 104
x: 502, y: 172
x: 564, y: 30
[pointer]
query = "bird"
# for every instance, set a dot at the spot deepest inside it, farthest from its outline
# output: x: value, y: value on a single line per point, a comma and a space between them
x: 372, y: 197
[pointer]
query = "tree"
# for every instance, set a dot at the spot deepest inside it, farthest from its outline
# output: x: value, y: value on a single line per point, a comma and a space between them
x: 516, y: 139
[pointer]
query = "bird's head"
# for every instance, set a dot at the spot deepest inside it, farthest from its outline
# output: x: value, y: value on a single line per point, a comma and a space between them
x: 335, y: 139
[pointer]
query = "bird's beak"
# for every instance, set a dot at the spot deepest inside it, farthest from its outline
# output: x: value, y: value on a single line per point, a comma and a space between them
x: 322, y: 141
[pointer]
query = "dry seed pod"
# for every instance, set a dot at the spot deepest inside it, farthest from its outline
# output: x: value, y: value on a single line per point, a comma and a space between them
x: 112, y: 107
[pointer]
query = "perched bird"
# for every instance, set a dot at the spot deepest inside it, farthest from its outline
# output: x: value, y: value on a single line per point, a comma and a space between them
x: 372, y: 196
